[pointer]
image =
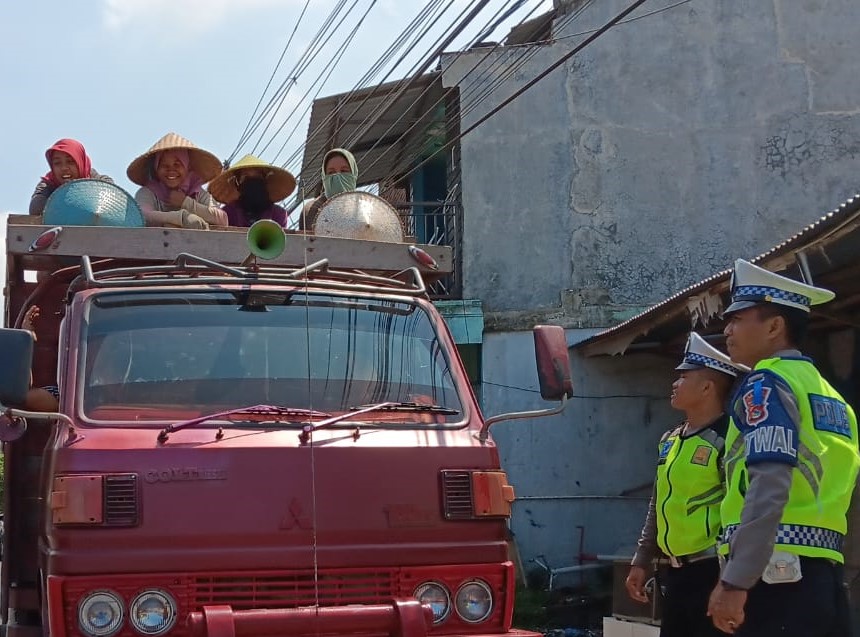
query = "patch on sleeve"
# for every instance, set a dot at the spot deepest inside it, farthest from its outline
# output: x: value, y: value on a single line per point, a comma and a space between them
x: 830, y: 414
x: 663, y: 450
x: 770, y: 432
x: 702, y: 455
x: 755, y: 404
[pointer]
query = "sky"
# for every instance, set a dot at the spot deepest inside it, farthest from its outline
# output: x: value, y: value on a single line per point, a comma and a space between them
x: 118, y: 74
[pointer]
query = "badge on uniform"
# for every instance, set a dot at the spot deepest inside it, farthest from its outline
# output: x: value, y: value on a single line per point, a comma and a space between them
x: 701, y: 455
x: 756, y: 405
x: 665, y: 446
x: 782, y: 568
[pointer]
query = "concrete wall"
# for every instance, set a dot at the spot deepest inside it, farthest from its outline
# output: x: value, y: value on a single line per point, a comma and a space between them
x: 669, y: 147
x: 573, y: 469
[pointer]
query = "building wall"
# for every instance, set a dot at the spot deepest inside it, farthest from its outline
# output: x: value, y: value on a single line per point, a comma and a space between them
x: 667, y: 148
x: 592, y: 465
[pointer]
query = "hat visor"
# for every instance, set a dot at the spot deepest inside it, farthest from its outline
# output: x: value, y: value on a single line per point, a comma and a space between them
x: 685, y: 365
x: 737, y: 306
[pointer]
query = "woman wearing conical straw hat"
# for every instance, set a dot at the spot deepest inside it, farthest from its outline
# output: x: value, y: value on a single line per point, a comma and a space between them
x: 171, y: 175
x: 249, y: 190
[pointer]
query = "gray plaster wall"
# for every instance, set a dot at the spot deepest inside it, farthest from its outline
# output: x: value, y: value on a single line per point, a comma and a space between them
x: 575, y: 468
x: 660, y: 153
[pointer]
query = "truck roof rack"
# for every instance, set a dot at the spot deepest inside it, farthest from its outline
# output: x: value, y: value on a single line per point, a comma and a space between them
x: 192, y: 270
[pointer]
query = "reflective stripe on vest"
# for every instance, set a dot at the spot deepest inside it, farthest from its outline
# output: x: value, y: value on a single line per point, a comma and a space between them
x: 799, y: 535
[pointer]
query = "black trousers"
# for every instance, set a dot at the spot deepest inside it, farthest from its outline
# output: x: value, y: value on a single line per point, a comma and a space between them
x: 816, y: 606
x: 685, y: 599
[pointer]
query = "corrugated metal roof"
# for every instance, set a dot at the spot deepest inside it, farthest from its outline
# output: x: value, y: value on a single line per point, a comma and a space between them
x: 387, y: 146
x: 775, y: 259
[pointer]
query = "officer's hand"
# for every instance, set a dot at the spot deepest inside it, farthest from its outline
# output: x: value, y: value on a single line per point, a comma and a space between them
x: 635, y: 584
x: 726, y: 608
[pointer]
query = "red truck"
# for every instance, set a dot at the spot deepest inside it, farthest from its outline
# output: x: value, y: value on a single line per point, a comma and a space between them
x: 288, y: 447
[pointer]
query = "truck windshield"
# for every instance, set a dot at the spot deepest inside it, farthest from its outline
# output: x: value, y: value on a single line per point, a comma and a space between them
x: 158, y: 356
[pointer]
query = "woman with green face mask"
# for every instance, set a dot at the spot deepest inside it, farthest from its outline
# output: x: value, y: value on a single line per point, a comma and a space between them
x: 339, y: 174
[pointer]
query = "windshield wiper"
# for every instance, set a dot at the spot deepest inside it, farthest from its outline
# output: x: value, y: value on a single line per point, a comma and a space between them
x: 409, y: 406
x: 307, y: 430
x: 276, y: 413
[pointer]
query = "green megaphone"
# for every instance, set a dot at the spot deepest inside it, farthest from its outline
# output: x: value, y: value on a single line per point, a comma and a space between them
x: 266, y: 239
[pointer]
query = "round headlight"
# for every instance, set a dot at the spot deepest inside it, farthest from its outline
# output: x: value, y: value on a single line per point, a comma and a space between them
x: 152, y: 612
x: 474, y: 601
x: 437, y: 597
x: 100, y: 614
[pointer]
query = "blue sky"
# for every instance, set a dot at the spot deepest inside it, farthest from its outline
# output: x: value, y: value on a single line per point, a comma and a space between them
x: 119, y: 74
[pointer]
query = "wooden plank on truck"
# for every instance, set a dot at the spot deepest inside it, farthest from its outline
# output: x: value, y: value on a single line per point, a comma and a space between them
x: 224, y: 246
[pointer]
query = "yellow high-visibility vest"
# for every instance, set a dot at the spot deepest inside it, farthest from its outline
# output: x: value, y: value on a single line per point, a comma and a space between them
x: 823, y: 450
x: 690, y: 489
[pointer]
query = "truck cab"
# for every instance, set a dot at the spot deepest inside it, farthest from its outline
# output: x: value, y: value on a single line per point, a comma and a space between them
x: 280, y: 447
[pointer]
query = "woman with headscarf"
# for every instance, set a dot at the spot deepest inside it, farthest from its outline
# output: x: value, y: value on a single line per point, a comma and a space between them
x: 339, y: 174
x: 172, y: 174
x: 250, y: 189
x: 67, y: 160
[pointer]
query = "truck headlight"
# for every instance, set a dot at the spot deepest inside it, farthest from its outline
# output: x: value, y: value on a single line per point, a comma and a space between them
x: 100, y: 614
x: 152, y: 612
x: 474, y: 601
x: 437, y: 597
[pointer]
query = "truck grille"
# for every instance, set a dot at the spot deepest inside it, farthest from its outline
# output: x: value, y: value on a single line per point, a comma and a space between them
x: 457, y: 494
x: 121, y: 503
x: 292, y: 589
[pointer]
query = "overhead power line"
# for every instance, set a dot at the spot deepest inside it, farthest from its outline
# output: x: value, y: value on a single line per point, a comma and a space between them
x: 475, y: 85
x: 552, y: 67
x: 271, y: 78
x: 277, y: 99
x: 419, y: 26
x: 417, y: 71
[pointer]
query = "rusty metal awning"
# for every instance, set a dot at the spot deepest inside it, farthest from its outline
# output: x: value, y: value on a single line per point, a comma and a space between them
x: 384, y: 148
x: 830, y: 243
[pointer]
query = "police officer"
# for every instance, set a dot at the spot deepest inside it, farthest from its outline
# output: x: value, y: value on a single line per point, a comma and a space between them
x: 683, y: 515
x: 791, y: 463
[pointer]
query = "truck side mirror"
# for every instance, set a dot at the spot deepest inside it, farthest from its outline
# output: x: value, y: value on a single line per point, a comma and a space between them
x: 553, y: 365
x: 17, y: 348
x: 553, y: 362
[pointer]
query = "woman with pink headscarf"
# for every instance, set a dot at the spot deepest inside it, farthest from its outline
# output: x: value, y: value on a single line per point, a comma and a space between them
x: 67, y: 160
x: 172, y: 174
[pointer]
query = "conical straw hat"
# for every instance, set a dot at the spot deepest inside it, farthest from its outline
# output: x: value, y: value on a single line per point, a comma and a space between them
x: 279, y: 182
x: 359, y: 215
x: 204, y: 164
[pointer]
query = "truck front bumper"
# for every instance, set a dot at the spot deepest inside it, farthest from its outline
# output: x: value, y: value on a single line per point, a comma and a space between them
x: 401, y: 618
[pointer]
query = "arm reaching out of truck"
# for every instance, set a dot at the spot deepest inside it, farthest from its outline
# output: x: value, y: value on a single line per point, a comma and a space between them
x: 38, y: 398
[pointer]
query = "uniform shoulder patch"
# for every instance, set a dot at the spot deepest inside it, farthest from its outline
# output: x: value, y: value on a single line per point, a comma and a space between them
x: 663, y: 450
x: 755, y: 404
x: 765, y: 420
x: 702, y: 455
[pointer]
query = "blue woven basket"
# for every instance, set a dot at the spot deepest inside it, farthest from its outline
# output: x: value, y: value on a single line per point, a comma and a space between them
x: 92, y: 202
